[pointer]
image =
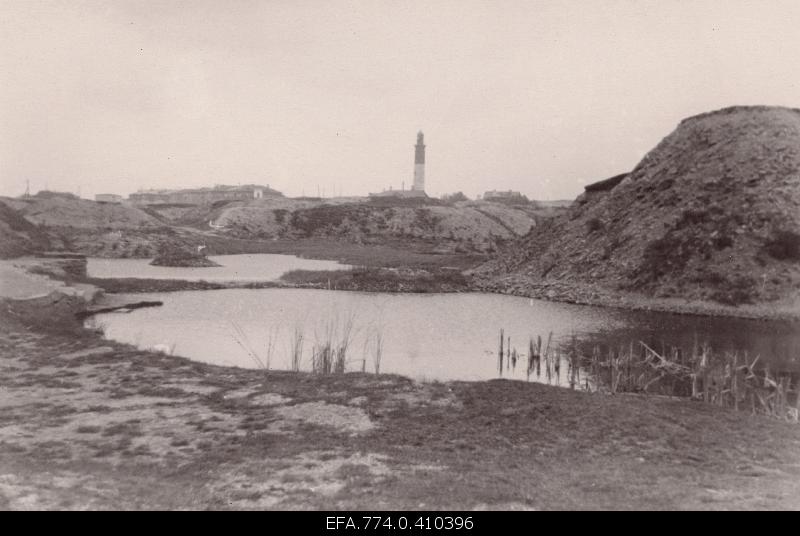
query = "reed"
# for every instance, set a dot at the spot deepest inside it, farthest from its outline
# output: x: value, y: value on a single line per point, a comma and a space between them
x: 241, y: 339
x: 378, y: 350
x: 273, y: 335
x: 296, y: 347
x: 723, y: 379
x: 329, y: 354
x: 508, y: 351
x: 574, y: 364
x: 729, y: 379
x: 538, y: 356
x: 500, y: 354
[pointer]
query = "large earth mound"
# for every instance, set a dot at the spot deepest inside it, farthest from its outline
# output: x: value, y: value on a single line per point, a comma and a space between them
x: 18, y: 236
x: 711, y: 213
x: 71, y: 212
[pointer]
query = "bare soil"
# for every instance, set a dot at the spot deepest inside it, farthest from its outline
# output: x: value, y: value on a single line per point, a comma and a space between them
x: 91, y: 424
x: 710, y: 215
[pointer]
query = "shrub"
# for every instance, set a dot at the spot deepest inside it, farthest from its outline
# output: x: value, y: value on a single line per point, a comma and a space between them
x: 692, y: 216
x: 723, y: 241
x: 665, y: 255
x: 280, y: 215
x: 735, y: 291
x: 594, y: 224
x: 784, y: 246
x: 454, y: 197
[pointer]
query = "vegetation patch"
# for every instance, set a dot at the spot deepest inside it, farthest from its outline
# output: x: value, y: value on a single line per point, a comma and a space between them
x: 784, y: 245
x: 594, y: 225
x: 174, y: 254
x: 380, y: 280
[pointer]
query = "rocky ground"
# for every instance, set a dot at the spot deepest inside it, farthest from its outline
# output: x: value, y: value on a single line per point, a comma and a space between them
x: 463, y: 226
x: 63, y: 222
x: 589, y: 293
x: 712, y: 214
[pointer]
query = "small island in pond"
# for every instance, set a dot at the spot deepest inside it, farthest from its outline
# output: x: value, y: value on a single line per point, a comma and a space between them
x: 179, y: 255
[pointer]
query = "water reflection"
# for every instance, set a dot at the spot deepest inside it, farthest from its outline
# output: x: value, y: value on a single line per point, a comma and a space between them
x: 429, y: 337
x: 249, y: 267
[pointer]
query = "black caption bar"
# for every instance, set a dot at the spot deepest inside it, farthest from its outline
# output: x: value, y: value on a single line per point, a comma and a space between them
x: 466, y: 523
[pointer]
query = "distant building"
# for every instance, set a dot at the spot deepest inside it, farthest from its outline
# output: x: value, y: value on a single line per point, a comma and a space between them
x: 203, y: 196
x: 108, y: 198
x: 600, y: 188
x: 418, y: 189
x: 605, y: 184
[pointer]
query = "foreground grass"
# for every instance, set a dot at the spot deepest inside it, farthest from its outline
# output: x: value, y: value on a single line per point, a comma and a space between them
x: 87, y: 423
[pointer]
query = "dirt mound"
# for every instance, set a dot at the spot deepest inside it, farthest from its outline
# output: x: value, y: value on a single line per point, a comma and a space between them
x: 18, y: 236
x: 62, y: 211
x: 712, y: 212
x: 88, y: 227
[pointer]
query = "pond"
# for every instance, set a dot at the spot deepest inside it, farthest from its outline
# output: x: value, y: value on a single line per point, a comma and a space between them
x: 423, y: 336
x: 249, y: 267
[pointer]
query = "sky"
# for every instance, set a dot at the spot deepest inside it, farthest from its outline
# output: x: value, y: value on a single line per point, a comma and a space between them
x: 308, y: 96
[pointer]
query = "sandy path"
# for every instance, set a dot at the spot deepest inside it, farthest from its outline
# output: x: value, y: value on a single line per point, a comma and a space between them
x: 15, y: 282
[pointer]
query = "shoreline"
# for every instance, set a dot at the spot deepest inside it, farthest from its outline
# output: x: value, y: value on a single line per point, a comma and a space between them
x: 598, y: 297
x: 438, y: 283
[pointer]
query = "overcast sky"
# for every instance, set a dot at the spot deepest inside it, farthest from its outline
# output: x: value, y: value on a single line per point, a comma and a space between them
x: 537, y: 96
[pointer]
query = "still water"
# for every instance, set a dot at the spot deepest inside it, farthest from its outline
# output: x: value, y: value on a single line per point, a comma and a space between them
x: 254, y: 267
x: 423, y: 336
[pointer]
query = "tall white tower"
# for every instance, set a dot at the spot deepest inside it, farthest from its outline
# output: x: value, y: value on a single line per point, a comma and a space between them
x: 419, y: 163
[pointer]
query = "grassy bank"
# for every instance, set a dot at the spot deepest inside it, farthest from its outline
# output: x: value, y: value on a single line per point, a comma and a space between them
x: 88, y: 423
x: 380, y: 280
x: 128, y: 285
x: 364, y: 279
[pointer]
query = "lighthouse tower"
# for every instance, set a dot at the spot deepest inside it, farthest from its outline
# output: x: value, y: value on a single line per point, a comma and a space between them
x: 419, y: 163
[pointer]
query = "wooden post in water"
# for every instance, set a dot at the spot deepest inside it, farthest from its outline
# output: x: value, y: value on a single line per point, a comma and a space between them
x: 538, y: 356
x: 500, y: 354
x: 530, y: 359
x: 508, y: 352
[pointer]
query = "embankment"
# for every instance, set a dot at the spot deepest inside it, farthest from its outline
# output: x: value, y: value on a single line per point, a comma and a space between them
x: 708, y: 221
